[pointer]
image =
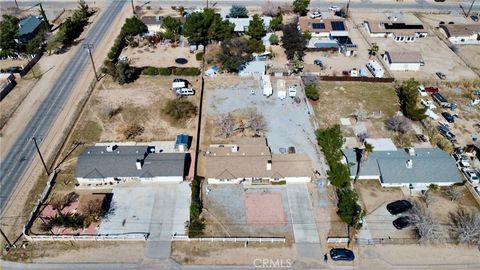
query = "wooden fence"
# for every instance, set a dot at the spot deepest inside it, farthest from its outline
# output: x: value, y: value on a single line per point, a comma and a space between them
x: 30, y: 64
x: 356, y: 79
x: 229, y: 239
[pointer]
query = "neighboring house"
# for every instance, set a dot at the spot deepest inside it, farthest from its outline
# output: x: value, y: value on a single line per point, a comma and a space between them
x: 399, y: 31
x: 415, y: 168
x: 241, y: 24
x: 462, y: 33
x: 250, y: 160
x: 328, y: 34
x: 403, y: 60
x: 28, y: 28
x: 153, y: 23
x: 120, y: 163
x: 253, y: 69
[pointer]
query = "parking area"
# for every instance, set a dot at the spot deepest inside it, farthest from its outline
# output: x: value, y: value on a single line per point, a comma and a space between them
x: 287, y: 122
x: 158, y: 209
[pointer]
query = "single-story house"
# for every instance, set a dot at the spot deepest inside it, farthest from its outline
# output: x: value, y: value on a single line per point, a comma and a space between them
x: 120, y: 163
x: 253, y: 69
x: 462, y: 33
x: 241, y: 24
x: 411, y: 168
x: 250, y: 160
x: 28, y: 28
x: 154, y: 23
x: 403, y: 60
x: 399, y: 31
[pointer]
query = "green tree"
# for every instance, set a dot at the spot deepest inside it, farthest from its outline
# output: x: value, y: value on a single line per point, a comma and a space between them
x: 255, y: 46
x: 8, y: 32
x: 297, y: 63
x: 373, y: 49
x: 256, y: 28
x: 311, y: 92
x: 293, y: 41
x: 83, y: 11
x: 331, y: 141
x: 33, y: 45
x: 238, y: 12
x: 408, y: 95
x: 274, y: 39
x: 307, y: 35
x: 276, y: 23
x: 220, y: 30
x: 348, y: 209
x: 133, y: 26
x: 339, y: 175
x: 172, y: 27
x: 124, y: 73
x: 301, y: 7
x: 233, y: 54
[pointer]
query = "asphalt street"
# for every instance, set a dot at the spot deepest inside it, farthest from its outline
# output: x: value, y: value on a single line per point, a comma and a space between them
x: 16, y: 161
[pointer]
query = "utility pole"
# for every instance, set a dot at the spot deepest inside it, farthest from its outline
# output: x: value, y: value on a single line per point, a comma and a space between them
x: 133, y: 7
x: 41, y: 157
x: 4, y: 236
x: 470, y: 9
x: 16, y: 4
x: 89, y: 46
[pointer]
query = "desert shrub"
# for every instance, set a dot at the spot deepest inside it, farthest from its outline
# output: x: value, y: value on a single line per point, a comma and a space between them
x: 180, y: 109
x: 311, y: 92
x: 199, y: 56
x: 152, y: 71
x: 132, y: 130
x: 186, y: 71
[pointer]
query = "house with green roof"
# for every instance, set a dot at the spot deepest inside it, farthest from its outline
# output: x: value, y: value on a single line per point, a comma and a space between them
x: 413, y: 168
x: 28, y: 27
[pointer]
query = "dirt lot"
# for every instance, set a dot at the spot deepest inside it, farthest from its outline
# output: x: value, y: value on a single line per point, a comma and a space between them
x: 471, y: 54
x: 378, y: 101
x: 163, y: 55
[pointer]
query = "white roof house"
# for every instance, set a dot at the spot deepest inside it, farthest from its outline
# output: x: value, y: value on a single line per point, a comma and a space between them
x: 403, y: 60
x: 241, y: 24
x: 381, y: 144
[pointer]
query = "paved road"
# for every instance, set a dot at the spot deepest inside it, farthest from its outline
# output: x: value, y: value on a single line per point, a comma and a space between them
x: 16, y: 161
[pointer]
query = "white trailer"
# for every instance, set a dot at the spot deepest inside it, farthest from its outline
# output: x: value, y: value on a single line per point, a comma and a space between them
x: 375, y: 68
x: 281, y: 89
x: 267, y: 85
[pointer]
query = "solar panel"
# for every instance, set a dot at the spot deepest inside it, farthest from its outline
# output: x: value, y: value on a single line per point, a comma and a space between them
x: 318, y: 25
x: 338, y: 26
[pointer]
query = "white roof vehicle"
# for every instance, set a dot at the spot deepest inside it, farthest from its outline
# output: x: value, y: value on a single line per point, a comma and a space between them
x: 471, y: 176
x: 421, y: 90
x: 428, y: 104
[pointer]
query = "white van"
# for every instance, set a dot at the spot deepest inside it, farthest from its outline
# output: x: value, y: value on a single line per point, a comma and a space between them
x: 186, y: 92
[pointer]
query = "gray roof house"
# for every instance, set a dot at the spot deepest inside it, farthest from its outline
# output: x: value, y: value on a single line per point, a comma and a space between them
x: 100, y: 164
x: 415, y: 168
x: 28, y: 28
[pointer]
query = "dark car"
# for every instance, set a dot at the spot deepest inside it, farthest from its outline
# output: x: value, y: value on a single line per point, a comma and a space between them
x: 13, y: 69
x: 448, y: 117
x: 441, y: 75
x: 401, y: 222
x: 341, y: 254
x: 421, y: 138
x: 474, y: 18
x: 398, y: 207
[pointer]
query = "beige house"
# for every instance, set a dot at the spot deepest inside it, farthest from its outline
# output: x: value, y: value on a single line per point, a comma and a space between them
x: 462, y: 33
x: 250, y: 160
x: 403, y: 60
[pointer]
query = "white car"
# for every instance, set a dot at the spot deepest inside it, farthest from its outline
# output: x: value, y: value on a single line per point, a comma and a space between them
x: 471, y: 176
x: 461, y: 164
x: 421, y: 90
x: 316, y: 14
x: 428, y: 104
x: 334, y: 8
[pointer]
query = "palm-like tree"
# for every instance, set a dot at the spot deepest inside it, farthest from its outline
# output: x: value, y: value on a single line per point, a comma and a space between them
x: 362, y: 156
x: 373, y: 49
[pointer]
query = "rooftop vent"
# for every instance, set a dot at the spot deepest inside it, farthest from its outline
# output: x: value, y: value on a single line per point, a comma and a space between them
x: 234, y: 148
x: 411, y: 151
x: 139, y: 164
x: 409, y: 164
x: 111, y: 147
x: 269, y: 165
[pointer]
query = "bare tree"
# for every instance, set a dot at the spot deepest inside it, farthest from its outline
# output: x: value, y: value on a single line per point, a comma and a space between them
x: 110, y: 110
x: 454, y: 193
x: 270, y: 9
x: 225, y: 125
x: 256, y: 122
x: 359, y: 114
x: 398, y: 123
x: 92, y: 211
x: 465, y: 226
x: 426, y: 227
x: 427, y: 197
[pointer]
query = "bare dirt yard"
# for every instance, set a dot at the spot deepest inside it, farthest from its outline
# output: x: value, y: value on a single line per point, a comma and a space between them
x: 160, y: 55
x: 376, y: 101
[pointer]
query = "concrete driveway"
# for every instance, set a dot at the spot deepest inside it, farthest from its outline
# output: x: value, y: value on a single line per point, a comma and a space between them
x: 159, y: 209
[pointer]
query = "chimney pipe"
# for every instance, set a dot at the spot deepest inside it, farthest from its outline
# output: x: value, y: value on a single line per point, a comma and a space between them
x: 139, y: 164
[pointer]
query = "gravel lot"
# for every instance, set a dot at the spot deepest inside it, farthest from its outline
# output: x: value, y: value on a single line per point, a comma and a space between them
x: 288, y: 123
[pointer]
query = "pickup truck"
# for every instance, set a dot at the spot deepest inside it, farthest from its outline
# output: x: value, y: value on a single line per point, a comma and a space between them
x: 431, y: 90
x: 428, y: 104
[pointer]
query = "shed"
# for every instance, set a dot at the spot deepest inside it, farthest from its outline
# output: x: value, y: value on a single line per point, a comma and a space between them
x: 403, y: 60
x: 182, y: 142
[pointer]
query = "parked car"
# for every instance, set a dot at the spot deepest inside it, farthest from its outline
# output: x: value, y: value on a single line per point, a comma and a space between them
x: 398, y: 207
x: 421, y: 90
x: 471, y: 176
x: 13, y: 69
x: 316, y: 14
x: 461, y: 164
x: 185, y: 92
x: 341, y: 254
x: 448, y: 117
x: 428, y: 104
x: 432, y: 89
x: 441, y: 75
x: 334, y: 8
x: 447, y: 134
x: 401, y: 222
x: 460, y: 157
x: 474, y: 18
x: 318, y: 62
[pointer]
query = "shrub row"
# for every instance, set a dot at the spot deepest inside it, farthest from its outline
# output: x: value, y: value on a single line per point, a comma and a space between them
x: 179, y: 71
x: 196, y: 223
